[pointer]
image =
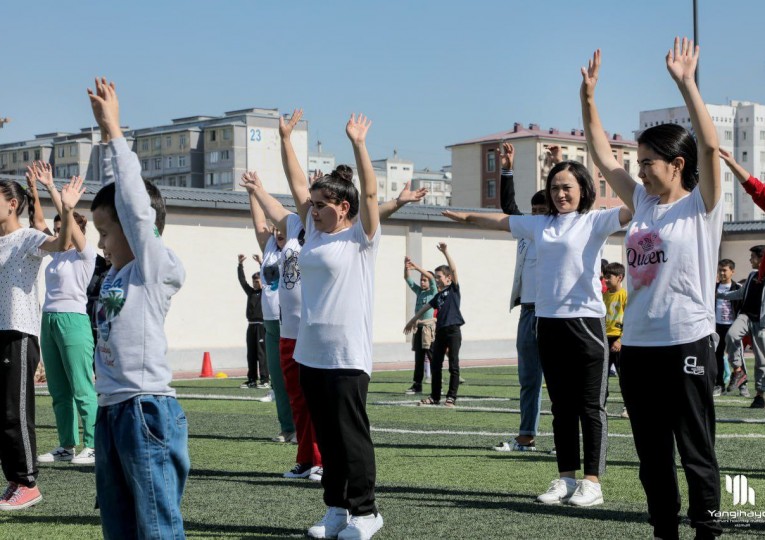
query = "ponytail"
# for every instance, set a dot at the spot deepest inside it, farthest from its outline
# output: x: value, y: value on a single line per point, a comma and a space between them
x: 31, y: 206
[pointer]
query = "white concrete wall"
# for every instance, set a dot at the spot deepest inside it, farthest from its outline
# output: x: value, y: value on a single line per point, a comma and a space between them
x: 466, y: 183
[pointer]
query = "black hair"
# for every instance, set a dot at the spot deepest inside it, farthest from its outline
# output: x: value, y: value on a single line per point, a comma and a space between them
x: 79, y: 219
x: 539, y: 198
x: 614, y: 269
x: 105, y: 198
x: 338, y: 186
x: 444, y: 269
x: 727, y: 262
x: 256, y: 275
x: 583, y: 178
x: 758, y: 250
x: 603, y: 264
x: 671, y: 141
x: 10, y: 189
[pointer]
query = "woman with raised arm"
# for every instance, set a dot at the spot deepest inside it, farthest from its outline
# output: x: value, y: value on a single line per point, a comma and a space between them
x: 669, y: 323
x: 334, y: 341
x: 570, y: 330
x: 21, y: 253
x: 66, y: 338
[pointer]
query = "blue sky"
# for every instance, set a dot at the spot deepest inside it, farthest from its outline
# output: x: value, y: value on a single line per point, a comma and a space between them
x: 428, y: 73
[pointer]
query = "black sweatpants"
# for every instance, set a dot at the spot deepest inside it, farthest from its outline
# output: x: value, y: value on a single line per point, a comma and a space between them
x: 256, y: 353
x: 447, y: 337
x: 19, y: 356
x: 337, y: 401
x: 574, y: 355
x: 722, y: 331
x: 674, y: 408
x: 420, y: 355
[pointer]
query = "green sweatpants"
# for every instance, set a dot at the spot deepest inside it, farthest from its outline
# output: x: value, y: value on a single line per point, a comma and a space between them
x: 283, y: 410
x: 66, y: 341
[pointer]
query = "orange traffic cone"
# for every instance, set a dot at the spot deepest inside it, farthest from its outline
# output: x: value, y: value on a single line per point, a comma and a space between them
x: 207, y: 370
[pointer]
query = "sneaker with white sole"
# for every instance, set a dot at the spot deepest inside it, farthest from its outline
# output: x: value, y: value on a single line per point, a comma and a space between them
x: 20, y: 498
x: 560, y: 491
x: 587, y: 494
x: 86, y: 457
x: 514, y: 446
x: 284, y: 437
x: 301, y: 470
x: 59, y: 454
x: 361, y: 527
x: 316, y: 476
x: 334, y: 521
x: 268, y: 398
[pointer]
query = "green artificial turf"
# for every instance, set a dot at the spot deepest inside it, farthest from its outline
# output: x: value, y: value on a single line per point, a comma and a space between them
x: 429, y: 485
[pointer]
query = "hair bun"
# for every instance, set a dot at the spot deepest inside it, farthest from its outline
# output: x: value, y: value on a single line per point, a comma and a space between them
x: 343, y: 172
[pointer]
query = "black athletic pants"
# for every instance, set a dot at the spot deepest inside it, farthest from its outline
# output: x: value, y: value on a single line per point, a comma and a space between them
x: 420, y: 355
x: 19, y: 356
x: 574, y: 357
x: 447, y: 337
x: 675, y: 406
x: 256, y: 352
x: 337, y: 401
x: 722, y: 331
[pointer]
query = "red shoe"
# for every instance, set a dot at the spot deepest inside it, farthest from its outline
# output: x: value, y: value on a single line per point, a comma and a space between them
x: 20, y: 498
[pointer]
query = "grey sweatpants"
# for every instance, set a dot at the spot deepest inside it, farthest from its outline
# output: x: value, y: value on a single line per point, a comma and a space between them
x: 740, y: 328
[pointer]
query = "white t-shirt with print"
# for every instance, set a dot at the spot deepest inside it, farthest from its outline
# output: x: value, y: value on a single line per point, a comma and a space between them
x: 290, y: 285
x: 671, y: 270
x: 20, y: 260
x: 569, y: 248
x: 270, y: 271
x: 724, y: 308
x: 66, y: 280
x: 338, y: 275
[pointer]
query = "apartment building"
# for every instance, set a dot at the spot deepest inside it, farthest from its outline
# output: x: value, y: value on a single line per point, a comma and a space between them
x: 320, y: 161
x: 438, y: 184
x: 475, y: 165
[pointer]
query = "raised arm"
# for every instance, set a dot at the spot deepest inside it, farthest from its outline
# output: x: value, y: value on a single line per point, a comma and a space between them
x: 681, y: 64
x: 449, y: 261
x: 422, y: 271
x: 292, y: 169
x: 262, y: 232
x: 44, y: 174
x: 407, y: 265
x: 369, y: 213
x: 38, y: 221
x: 246, y: 287
x: 754, y: 187
x: 70, y: 195
x: 388, y: 208
x: 272, y: 208
x: 506, y: 181
x: 497, y: 221
x: 600, y: 149
x: 741, y: 174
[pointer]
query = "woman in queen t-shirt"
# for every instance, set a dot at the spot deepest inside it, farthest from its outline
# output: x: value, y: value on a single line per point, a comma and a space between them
x: 21, y: 253
x: 669, y: 323
x: 570, y: 321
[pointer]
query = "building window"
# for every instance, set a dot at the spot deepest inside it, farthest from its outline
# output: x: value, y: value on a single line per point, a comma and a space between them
x: 213, y: 135
x: 181, y: 161
x: 157, y: 143
x: 37, y: 155
x: 491, y: 189
x: 145, y: 164
x: 182, y: 139
x: 157, y: 164
x: 762, y: 135
x: 728, y: 217
x: 227, y: 134
x: 602, y: 188
x: 743, y: 135
x: 171, y: 180
x: 26, y: 156
x: 145, y: 144
x: 170, y: 162
x: 168, y: 144
x: 491, y: 161
x: 3, y: 160
x: 73, y: 150
x: 224, y: 154
x: 744, y: 157
x: 729, y: 197
x: 210, y: 179
x: 227, y: 177
x: 61, y: 153
x: 182, y: 180
x: 728, y: 177
x: 73, y: 170
x: 407, y: 168
x: 214, y: 157
x: 393, y: 168
x: 627, y: 165
x: 394, y: 186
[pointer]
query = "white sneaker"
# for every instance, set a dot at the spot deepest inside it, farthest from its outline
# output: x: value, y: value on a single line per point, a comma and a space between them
x: 268, y: 398
x: 59, y: 454
x: 334, y: 521
x: 560, y: 491
x: 284, y: 437
x: 86, y: 457
x: 361, y: 527
x: 301, y: 470
x: 316, y: 475
x: 587, y: 494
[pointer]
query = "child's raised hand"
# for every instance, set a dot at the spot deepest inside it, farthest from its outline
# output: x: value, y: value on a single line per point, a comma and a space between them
x: 105, y: 105
x: 590, y: 76
x: 506, y: 155
x: 407, y: 195
x: 727, y: 157
x: 441, y: 247
x: 251, y: 181
x: 257, y: 258
x: 241, y: 258
x: 357, y: 128
x: 285, y: 128
x: 681, y: 63
x: 71, y: 193
x: 315, y: 176
x: 44, y: 173
x: 555, y: 154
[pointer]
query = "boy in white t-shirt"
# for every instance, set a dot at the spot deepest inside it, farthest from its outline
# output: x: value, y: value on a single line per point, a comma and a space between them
x: 725, y: 314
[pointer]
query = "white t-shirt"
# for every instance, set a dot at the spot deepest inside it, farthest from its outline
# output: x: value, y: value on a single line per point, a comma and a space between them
x: 20, y: 260
x: 269, y: 275
x: 290, y: 286
x: 528, y: 273
x: 671, y: 270
x: 724, y: 308
x: 338, y: 274
x: 568, y: 248
x: 66, y: 280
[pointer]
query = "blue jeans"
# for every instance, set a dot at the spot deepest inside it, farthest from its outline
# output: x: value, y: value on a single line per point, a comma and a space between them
x: 529, y: 371
x: 142, y: 462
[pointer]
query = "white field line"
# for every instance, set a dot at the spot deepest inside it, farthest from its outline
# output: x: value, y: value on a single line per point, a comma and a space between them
x: 221, y: 397
x: 544, y: 434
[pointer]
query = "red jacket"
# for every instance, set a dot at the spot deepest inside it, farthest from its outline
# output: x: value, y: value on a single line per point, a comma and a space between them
x: 756, y: 190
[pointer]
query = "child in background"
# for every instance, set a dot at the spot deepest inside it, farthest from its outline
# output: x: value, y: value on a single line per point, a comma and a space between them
x: 256, y: 333
x: 426, y: 325
x: 448, y: 333
x: 615, y: 299
x: 725, y: 314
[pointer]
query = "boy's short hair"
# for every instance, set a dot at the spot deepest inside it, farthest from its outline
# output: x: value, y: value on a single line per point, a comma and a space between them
x: 758, y: 250
x: 105, y: 199
x: 727, y: 262
x: 256, y: 275
x: 539, y: 198
x: 444, y: 269
x: 614, y: 269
